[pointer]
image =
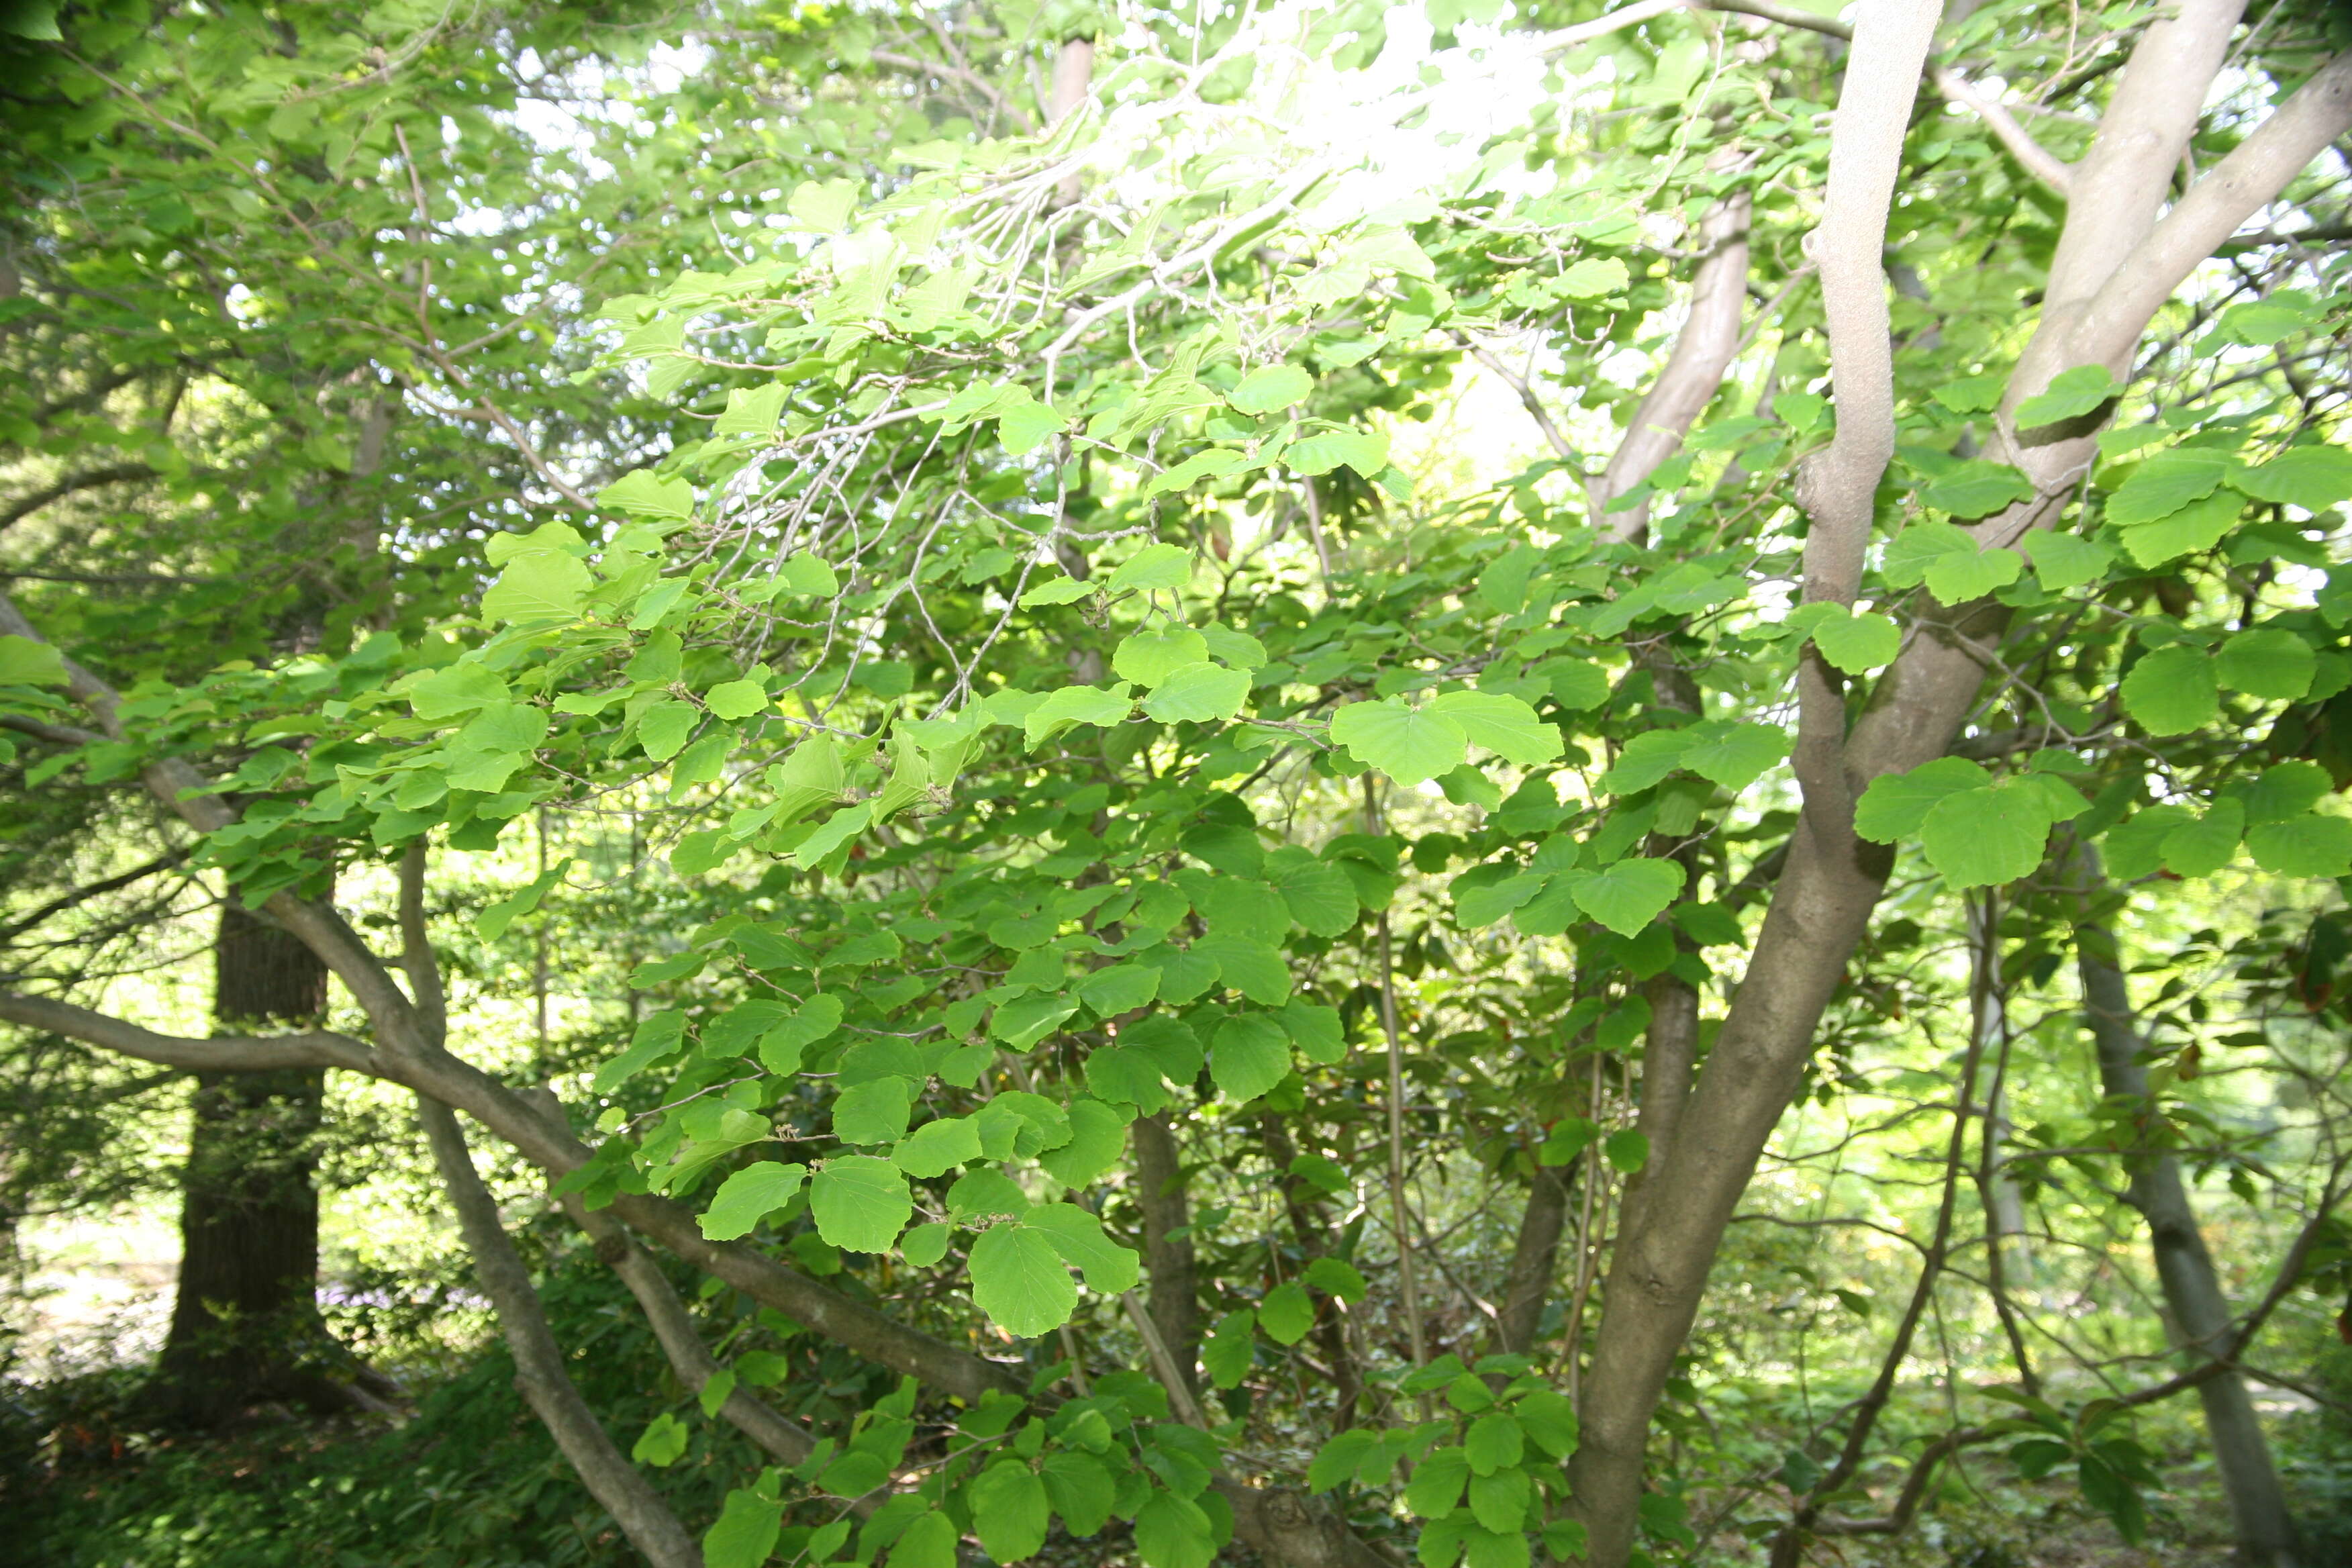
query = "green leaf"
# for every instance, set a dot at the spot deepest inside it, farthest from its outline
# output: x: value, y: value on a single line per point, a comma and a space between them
x: 1411, y: 746
x: 861, y: 1203
x: 1858, y: 643
x: 1121, y: 988
x: 1919, y: 546
x: 1591, y: 277
x: 2201, y: 848
x: 1362, y: 450
x: 492, y: 923
x: 1980, y: 838
x: 1500, y: 1501
x: 781, y: 1048
x: 809, y: 575
x: 1010, y: 1509
x: 1172, y: 1532
x: 1504, y: 725
x: 663, y: 1442
x: 1082, y: 1491
x: 1646, y: 759
x: 825, y: 207
x: 1152, y: 568
x: 1250, y: 1055
x: 832, y: 833
x: 1493, y: 1443
x: 1151, y: 656
x: 1198, y: 692
x: 752, y: 411
x: 541, y: 586
x: 745, y: 1535
x: 1629, y: 1150
x: 662, y: 729
x: 1342, y: 1458
x: 1056, y: 591
x: 734, y: 700
x: 1896, y: 804
x: 1437, y: 1482
x: 461, y: 687
x: 1077, y: 1236
x: 1019, y: 1280
x: 1239, y: 649
x: 1097, y: 1139
x: 937, y: 1146
x: 2172, y: 691
x: 2313, y: 478
x: 1075, y: 705
x: 2064, y: 561
x: 2193, y: 530
x: 1629, y: 895
x: 1255, y: 969
x: 24, y: 662
x: 2287, y: 790
x: 1547, y: 1419
x: 1335, y: 1277
x: 1225, y: 1354
x: 1962, y: 575
x: 749, y: 1196
x: 873, y: 1112
x: 2266, y: 662
x: 1316, y: 1030
x: 2306, y: 845
x: 2164, y: 483
x: 1286, y: 1313
x: 928, y: 1541
x: 1271, y: 388
x: 641, y: 494
x: 1317, y: 894
x: 656, y: 1037
x: 1026, y: 426
x: 1484, y: 903
x: 2071, y: 394
x: 1971, y: 395
x: 1734, y: 755
x: 1975, y: 488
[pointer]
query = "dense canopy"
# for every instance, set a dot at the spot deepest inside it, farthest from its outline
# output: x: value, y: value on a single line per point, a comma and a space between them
x: 1296, y: 782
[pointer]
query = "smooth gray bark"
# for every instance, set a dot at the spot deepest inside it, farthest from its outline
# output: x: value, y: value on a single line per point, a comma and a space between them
x: 2199, y: 1313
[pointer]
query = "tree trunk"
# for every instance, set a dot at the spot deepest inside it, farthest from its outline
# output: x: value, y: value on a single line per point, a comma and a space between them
x: 1169, y: 1261
x: 246, y: 1329
x: 2199, y: 1313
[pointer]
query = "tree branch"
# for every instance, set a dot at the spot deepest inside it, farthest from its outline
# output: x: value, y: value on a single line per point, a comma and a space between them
x: 1838, y: 486
x: 2032, y: 156
x: 105, y: 884
x: 318, y: 1048
x: 634, y: 1504
x: 1703, y: 352
x: 416, y: 945
x: 2236, y: 188
x: 113, y: 474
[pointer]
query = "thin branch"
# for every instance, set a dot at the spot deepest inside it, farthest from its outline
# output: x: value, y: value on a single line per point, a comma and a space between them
x: 65, y: 901
x: 2037, y: 160
x: 114, y: 474
x: 318, y: 1049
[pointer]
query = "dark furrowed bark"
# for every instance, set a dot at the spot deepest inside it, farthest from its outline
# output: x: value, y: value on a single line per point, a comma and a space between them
x: 246, y: 1327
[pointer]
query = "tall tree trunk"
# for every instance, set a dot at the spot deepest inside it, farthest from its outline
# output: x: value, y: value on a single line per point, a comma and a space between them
x: 246, y: 1329
x: 2198, y: 1313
